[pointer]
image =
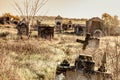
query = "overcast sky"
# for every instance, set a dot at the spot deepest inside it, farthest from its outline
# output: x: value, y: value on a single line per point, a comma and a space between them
x: 70, y: 8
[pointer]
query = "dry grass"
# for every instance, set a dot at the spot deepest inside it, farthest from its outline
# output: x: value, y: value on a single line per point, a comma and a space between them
x: 7, y: 70
x: 36, y: 59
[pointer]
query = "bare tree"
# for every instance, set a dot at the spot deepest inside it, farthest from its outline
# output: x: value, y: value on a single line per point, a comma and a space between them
x: 29, y: 8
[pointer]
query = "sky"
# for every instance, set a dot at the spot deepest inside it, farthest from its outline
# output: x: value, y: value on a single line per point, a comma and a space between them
x: 69, y: 8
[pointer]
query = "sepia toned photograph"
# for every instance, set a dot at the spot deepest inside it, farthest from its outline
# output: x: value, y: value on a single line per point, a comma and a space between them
x: 59, y: 40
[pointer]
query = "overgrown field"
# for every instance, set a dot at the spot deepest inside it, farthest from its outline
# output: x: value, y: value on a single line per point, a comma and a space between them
x: 36, y: 58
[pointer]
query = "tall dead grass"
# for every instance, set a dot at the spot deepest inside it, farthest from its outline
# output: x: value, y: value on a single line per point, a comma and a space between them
x: 23, y: 47
x: 7, y: 70
x: 38, y: 58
